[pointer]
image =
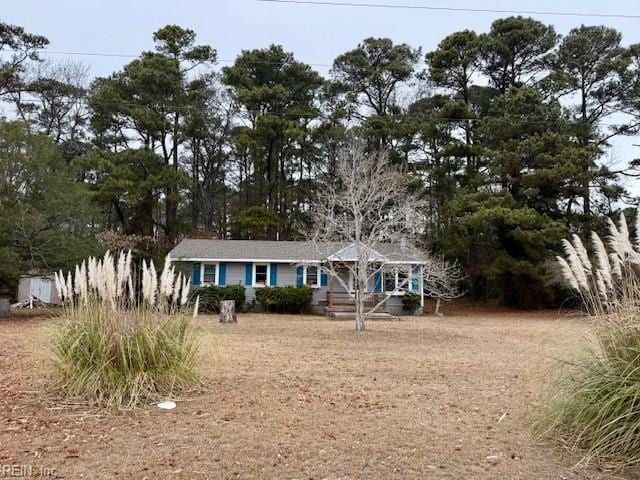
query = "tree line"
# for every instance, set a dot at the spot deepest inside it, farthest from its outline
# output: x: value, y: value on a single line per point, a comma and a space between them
x: 504, y: 135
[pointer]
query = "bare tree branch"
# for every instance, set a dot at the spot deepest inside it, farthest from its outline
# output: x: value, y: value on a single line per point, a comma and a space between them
x: 367, y: 204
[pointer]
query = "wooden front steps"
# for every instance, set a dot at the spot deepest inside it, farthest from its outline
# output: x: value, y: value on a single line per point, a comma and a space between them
x: 341, y: 306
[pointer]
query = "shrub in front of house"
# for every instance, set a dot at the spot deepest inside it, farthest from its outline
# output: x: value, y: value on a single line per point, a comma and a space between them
x: 288, y: 299
x: 212, y: 295
x: 410, y: 302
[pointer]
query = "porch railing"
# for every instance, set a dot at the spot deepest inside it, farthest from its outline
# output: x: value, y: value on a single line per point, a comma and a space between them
x: 344, y: 299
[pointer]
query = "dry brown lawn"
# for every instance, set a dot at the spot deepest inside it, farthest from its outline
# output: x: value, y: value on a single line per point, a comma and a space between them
x: 306, y: 398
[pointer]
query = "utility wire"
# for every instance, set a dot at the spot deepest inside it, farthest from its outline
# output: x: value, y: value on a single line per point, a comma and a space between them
x: 453, y: 9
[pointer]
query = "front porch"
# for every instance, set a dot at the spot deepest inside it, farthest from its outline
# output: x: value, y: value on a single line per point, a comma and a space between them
x: 387, y: 282
x: 340, y: 305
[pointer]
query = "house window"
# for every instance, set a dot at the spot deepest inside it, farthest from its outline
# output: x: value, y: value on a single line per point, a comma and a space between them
x: 390, y: 281
x: 312, y: 277
x: 261, y: 275
x: 209, y: 273
x: 397, y: 279
x: 404, y: 283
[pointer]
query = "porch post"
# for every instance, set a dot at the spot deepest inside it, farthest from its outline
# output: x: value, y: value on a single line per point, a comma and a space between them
x: 422, y: 287
x: 330, y: 294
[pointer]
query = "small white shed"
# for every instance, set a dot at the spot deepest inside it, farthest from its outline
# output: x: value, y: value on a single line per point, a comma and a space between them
x: 40, y: 287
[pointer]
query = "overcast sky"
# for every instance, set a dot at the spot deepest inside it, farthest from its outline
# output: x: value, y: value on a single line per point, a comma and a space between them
x: 316, y: 34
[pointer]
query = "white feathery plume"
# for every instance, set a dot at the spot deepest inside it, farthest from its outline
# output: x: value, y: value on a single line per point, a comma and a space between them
x: 167, y: 291
x: 576, y: 265
x: 56, y: 281
x: 63, y: 286
x: 602, y: 287
x: 619, y: 237
x: 582, y: 253
x: 100, y: 284
x: 109, y: 279
x: 164, y: 276
x: 132, y: 293
x: 91, y: 272
x: 171, y: 282
x: 616, y: 265
x: 76, y: 281
x: 614, y: 235
x: 69, y: 285
x: 186, y: 286
x: 613, y: 228
x: 153, y: 283
x: 176, y: 289
x: 121, y: 274
x: 128, y: 262
x: 196, y: 307
x: 80, y: 282
x: 622, y: 225
x: 602, y: 259
x: 84, y: 290
x: 625, y: 238
x: 145, y: 281
x: 567, y: 274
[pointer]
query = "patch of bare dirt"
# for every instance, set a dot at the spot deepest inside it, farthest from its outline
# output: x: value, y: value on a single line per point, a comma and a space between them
x: 306, y: 398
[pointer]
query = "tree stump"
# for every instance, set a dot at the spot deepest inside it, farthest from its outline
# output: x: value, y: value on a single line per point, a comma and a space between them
x: 228, y: 311
x: 4, y: 306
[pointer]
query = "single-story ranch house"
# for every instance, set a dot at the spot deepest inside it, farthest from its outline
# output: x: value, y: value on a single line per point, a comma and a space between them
x: 258, y: 263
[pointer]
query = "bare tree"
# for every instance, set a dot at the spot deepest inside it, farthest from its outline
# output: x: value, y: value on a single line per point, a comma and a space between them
x: 368, y: 202
x: 441, y: 280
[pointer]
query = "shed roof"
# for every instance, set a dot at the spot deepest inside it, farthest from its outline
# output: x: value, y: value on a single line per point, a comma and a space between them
x: 279, y: 251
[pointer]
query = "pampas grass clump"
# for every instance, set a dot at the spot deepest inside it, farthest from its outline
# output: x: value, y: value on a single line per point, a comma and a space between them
x: 595, y: 407
x: 123, y: 339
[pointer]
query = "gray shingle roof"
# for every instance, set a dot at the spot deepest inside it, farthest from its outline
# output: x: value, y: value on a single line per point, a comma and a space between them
x: 284, y: 251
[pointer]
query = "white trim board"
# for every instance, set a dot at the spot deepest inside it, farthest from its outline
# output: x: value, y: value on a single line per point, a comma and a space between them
x: 248, y: 260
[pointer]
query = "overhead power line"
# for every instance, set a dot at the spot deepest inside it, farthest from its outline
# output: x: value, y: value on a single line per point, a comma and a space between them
x: 454, y: 9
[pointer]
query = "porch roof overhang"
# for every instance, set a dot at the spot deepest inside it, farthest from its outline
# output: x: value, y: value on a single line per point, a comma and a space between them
x: 350, y: 253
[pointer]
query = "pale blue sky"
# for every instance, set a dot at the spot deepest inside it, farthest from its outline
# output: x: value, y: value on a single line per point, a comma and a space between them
x: 316, y: 34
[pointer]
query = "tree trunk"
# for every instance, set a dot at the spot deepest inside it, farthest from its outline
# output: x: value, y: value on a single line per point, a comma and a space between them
x: 437, y: 312
x: 228, y: 311
x: 359, y: 310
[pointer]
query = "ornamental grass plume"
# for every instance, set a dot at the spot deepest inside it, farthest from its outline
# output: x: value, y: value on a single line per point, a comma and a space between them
x: 595, y: 406
x: 126, y: 335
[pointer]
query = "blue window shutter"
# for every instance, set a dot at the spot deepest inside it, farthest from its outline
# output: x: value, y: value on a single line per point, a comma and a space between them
x: 248, y: 274
x: 299, y: 276
x: 378, y: 282
x: 222, y: 269
x: 415, y: 278
x: 273, y: 274
x: 324, y: 279
x: 195, y: 279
